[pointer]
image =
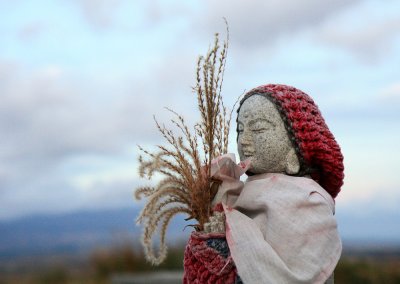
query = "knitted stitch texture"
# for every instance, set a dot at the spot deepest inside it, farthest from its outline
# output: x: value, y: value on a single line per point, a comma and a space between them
x: 317, y: 150
x: 207, y: 260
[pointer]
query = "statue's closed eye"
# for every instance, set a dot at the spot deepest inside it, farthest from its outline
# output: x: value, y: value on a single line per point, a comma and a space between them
x: 258, y: 130
x: 261, y: 125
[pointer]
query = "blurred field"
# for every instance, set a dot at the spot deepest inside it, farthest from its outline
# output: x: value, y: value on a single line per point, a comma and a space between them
x: 98, y: 266
x: 356, y: 266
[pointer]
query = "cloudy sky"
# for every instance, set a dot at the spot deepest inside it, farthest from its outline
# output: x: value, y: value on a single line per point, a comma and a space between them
x: 80, y: 81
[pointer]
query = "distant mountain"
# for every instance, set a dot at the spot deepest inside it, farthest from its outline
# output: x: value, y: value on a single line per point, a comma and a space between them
x: 361, y: 225
x: 85, y: 230
x: 75, y: 232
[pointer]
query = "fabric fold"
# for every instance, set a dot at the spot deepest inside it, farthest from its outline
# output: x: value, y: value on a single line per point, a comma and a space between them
x: 280, y: 229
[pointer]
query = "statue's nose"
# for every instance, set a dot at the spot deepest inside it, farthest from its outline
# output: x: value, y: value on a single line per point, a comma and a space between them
x: 246, y: 138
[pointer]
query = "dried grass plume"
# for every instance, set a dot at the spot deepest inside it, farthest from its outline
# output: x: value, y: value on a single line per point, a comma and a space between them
x: 184, y: 162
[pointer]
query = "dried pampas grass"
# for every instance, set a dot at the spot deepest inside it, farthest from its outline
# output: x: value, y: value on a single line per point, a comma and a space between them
x: 184, y: 164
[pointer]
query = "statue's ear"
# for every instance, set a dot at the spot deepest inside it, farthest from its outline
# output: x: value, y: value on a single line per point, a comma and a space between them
x: 292, y: 163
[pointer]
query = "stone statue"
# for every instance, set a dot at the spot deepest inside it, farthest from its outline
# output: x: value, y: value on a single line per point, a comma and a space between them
x: 278, y: 226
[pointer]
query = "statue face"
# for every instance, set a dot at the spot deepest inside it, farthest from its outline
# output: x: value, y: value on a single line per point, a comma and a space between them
x: 262, y: 137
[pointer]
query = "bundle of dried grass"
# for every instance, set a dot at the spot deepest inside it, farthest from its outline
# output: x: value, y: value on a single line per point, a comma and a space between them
x: 186, y: 185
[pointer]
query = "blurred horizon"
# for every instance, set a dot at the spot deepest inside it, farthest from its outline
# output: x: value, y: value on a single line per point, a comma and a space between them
x: 81, y: 80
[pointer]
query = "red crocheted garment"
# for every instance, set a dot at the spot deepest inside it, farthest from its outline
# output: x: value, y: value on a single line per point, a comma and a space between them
x: 316, y: 147
x: 203, y: 263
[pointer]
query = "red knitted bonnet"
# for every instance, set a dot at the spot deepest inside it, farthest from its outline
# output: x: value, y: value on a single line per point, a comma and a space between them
x: 315, y: 145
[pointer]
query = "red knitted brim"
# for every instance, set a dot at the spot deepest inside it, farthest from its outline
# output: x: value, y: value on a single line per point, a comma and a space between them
x: 315, y: 144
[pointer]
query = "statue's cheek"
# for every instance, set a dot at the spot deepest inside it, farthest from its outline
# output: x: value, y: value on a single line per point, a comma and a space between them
x: 263, y: 137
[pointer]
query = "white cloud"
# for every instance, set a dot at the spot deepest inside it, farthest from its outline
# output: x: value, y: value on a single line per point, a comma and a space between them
x: 259, y: 23
x: 31, y: 31
x: 57, y: 117
x: 99, y: 13
x: 390, y: 93
x: 367, y: 37
x: 47, y: 120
